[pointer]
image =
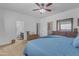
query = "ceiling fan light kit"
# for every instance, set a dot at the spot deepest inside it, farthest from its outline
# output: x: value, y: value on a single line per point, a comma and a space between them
x: 42, y: 11
x: 43, y: 7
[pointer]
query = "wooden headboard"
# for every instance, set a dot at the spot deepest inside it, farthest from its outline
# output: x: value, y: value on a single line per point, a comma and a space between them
x: 68, y: 34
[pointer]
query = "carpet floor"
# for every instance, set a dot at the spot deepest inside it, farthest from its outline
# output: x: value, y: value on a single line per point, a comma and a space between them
x: 15, y: 49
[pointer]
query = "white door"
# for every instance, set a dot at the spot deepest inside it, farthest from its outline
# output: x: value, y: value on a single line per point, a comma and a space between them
x: 20, y: 27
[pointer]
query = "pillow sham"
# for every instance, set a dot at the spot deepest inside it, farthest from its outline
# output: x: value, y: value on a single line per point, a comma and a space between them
x: 76, y: 42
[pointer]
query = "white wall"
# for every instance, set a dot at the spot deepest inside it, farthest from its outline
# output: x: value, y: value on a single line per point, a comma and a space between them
x: 2, y: 28
x: 8, y: 20
x: 67, y: 14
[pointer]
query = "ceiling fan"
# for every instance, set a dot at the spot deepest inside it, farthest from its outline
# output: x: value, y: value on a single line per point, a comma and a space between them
x: 43, y: 7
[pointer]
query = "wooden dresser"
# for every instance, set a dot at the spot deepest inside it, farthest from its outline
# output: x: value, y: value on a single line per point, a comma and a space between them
x: 32, y: 36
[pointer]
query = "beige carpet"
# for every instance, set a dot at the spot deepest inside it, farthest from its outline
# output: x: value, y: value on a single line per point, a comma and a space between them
x: 15, y: 49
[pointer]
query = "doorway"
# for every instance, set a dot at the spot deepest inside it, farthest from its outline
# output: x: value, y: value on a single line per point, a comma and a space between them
x: 20, y: 27
x: 50, y: 24
x: 38, y: 28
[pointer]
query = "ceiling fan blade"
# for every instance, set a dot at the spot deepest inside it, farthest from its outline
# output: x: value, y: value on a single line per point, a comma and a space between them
x: 48, y: 4
x: 48, y: 10
x: 37, y: 4
x: 35, y: 9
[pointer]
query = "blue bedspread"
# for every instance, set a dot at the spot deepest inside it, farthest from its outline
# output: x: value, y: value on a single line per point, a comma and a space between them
x: 55, y: 46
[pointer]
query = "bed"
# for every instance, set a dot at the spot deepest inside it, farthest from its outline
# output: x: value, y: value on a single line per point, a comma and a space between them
x: 53, y: 45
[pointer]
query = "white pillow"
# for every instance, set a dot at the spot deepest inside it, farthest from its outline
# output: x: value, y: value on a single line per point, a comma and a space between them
x: 76, y: 42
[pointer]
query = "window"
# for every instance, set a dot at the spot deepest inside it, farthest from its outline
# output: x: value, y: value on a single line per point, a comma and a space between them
x: 65, y: 25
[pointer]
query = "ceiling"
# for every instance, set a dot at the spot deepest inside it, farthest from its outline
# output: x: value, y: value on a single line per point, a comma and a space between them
x: 26, y: 8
